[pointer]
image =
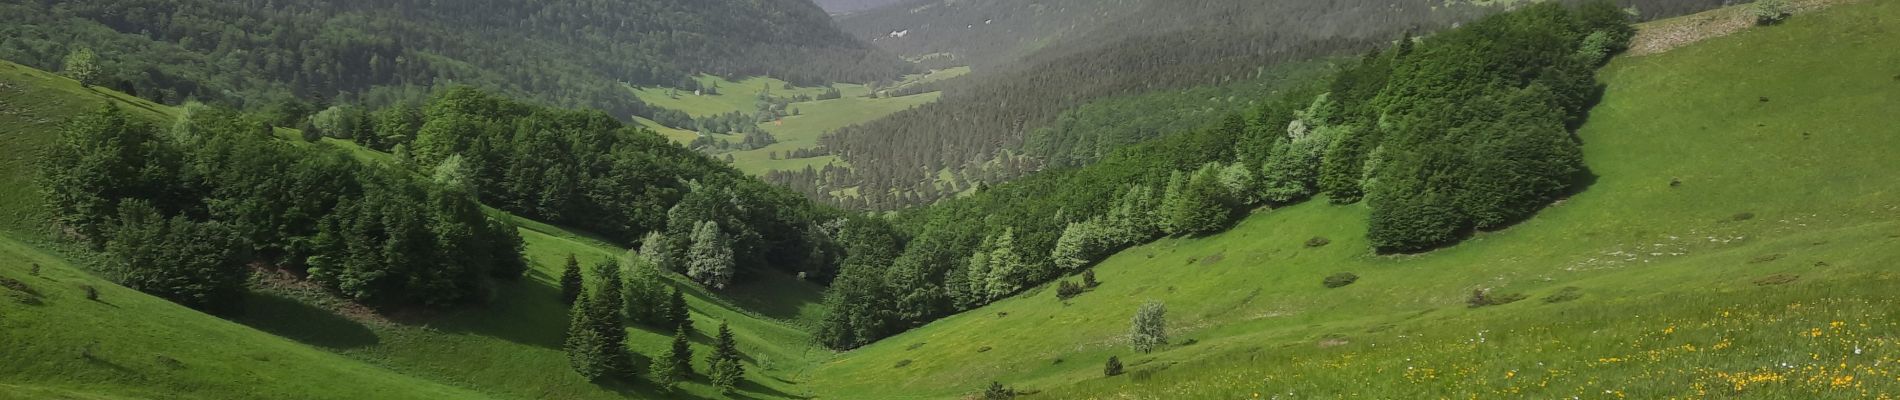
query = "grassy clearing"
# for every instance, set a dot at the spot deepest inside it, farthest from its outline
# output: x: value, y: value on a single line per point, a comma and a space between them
x: 1765, y: 274
x: 292, y: 342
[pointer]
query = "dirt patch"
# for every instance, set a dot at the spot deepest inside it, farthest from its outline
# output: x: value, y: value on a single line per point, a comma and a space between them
x: 1669, y: 34
x: 1766, y: 258
x: 1776, y: 279
x: 282, y: 282
x: 1210, y: 260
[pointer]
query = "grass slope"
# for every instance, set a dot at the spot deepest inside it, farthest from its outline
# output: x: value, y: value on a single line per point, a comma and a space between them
x: 294, y: 342
x: 1766, y: 274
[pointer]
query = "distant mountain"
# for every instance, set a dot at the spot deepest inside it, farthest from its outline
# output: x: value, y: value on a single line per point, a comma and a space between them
x: 848, y: 6
x: 565, y: 52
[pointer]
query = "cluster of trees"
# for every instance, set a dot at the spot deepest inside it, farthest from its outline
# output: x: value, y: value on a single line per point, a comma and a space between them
x: 626, y: 183
x: 182, y: 211
x: 633, y: 291
x: 1463, y: 130
x: 573, y: 53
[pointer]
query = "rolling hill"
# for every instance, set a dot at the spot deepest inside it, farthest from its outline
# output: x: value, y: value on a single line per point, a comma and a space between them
x: 1760, y: 274
x: 295, y: 341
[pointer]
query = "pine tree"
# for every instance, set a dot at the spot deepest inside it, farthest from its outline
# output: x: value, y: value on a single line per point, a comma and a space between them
x: 676, y: 312
x: 680, y: 359
x: 1114, y: 367
x: 1148, y: 331
x: 584, y: 344
x: 723, y: 365
x: 606, y: 305
x: 571, y: 281
x: 710, y: 260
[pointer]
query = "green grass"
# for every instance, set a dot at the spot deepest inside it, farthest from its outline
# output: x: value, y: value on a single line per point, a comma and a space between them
x: 1679, y: 297
x: 295, y: 342
x: 794, y: 132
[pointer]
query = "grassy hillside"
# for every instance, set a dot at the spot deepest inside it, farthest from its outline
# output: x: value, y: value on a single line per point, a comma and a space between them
x: 295, y: 342
x: 1764, y: 274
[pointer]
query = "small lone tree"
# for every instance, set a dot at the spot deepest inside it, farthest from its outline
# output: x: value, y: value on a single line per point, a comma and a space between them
x: 571, y: 281
x: 1088, y: 279
x: 723, y: 365
x: 1148, y: 331
x: 83, y: 65
x: 1113, y: 368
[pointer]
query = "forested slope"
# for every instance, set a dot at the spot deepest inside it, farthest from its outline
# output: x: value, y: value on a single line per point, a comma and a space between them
x: 571, y: 53
x: 977, y: 130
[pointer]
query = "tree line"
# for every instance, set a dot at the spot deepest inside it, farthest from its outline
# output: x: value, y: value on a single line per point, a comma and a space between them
x: 1463, y: 130
x: 248, y: 54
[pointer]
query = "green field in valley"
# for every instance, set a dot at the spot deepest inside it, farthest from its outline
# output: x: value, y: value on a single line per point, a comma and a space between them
x: 793, y: 132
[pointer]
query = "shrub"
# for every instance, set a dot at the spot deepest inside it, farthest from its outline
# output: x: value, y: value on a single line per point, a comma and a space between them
x: 1769, y: 12
x: 1341, y: 279
x: 35, y: 271
x: 1113, y: 368
x: 902, y: 363
x: 1742, y: 217
x: 1088, y: 279
x: 1067, y: 289
x: 1148, y: 331
x: 1318, y: 241
x: 92, y: 292
x: 1566, y: 294
x: 998, y: 392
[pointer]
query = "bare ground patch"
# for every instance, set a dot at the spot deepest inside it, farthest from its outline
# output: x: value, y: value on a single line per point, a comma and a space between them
x: 1664, y: 35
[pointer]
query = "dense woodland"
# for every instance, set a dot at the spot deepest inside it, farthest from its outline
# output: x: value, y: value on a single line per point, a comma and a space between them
x: 573, y: 53
x: 183, y: 211
x: 1464, y: 130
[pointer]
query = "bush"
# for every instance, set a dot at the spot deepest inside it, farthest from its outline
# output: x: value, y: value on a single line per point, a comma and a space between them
x: 35, y: 271
x: 1113, y: 368
x: 1088, y: 280
x: 1318, y: 241
x: 1341, y: 279
x: 92, y: 292
x: 1067, y: 289
x: 998, y: 392
x: 1769, y: 12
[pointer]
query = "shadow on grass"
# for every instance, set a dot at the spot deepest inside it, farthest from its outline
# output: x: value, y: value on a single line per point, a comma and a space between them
x: 302, y: 322
x: 753, y: 387
x: 525, y: 311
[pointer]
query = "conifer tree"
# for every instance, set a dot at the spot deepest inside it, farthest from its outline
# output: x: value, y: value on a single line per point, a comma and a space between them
x: 584, y: 344
x: 676, y: 312
x: 680, y: 358
x: 571, y: 281
x: 723, y: 365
